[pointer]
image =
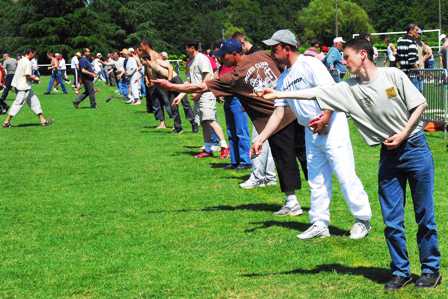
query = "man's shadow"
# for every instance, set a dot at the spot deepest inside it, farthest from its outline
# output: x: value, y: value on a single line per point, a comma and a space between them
x: 375, y: 274
x: 256, y: 207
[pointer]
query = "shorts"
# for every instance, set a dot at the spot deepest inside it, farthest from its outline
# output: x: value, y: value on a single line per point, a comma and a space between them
x: 206, y: 106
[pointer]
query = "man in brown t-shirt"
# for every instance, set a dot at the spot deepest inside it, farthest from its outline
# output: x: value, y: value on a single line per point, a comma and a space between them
x: 253, y: 73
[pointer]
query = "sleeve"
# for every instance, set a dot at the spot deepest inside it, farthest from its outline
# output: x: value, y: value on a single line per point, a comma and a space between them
x: 411, y: 96
x: 221, y: 87
x: 280, y: 103
x: 334, y: 97
x: 205, y: 66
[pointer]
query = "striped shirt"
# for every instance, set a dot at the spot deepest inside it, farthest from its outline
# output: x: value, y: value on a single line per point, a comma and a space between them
x: 407, y: 53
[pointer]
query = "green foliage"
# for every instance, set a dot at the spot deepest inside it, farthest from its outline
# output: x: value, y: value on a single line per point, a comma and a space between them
x: 318, y: 19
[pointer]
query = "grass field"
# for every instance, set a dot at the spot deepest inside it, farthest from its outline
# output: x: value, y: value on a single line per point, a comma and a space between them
x: 103, y: 205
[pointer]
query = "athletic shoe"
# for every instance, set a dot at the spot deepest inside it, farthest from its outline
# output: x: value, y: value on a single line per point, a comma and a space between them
x: 270, y: 183
x: 289, y: 211
x: 135, y: 103
x: 317, y: 230
x: 6, y: 125
x: 225, y: 153
x: 252, y: 184
x: 47, y: 123
x: 429, y: 280
x: 129, y: 102
x: 203, y: 155
x: 397, y: 282
x: 359, y: 230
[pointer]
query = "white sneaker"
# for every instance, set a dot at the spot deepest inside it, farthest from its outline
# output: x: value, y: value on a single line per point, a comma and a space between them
x: 251, y: 184
x: 270, y: 183
x: 138, y: 102
x: 289, y: 211
x: 359, y: 231
x: 315, y: 231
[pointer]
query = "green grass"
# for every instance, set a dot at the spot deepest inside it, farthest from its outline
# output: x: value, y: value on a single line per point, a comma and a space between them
x: 102, y: 205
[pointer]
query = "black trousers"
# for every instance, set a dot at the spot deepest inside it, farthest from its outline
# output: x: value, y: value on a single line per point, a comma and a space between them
x: 89, y: 91
x: 288, y: 146
x: 8, y: 81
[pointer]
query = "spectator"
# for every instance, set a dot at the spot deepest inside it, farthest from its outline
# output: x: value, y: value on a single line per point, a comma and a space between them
x: 407, y: 53
x: 334, y: 61
x: 444, y: 51
x: 391, y: 53
x: 314, y: 50
x: 87, y: 74
x: 55, y: 73
x: 9, y: 65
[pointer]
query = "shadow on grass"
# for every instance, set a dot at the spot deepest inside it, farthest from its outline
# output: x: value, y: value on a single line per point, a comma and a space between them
x: 192, y: 146
x: 256, y: 207
x: 219, y: 165
x: 27, y: 125
x: 375, y: 274
x: 298, y: 226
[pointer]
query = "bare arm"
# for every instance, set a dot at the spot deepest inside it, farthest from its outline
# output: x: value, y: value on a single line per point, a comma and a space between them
x: 184, y: 87
x: 303, y: 94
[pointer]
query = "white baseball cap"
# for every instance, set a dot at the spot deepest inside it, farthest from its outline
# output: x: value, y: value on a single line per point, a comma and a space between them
x: 442, y: 36
x: 338, y: 39
x: 131, y: 50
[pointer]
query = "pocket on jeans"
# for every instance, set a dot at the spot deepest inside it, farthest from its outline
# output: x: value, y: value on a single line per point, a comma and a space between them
x: 417, y: 142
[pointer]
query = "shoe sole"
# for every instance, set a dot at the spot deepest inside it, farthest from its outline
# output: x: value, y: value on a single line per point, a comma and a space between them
x: 252, y: 187
x: 315, y: 237
x: 438, y: 281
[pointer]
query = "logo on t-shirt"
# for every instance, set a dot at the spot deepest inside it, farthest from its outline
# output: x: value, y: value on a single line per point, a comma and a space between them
x: 260, y: 76
x: 391, y: 92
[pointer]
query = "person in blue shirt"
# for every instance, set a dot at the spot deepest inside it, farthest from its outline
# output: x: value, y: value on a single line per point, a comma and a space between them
x: 334, y: 60
x: 87, y: 75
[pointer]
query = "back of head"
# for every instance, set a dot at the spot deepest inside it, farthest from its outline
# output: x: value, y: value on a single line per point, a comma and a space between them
x: 192, y: 44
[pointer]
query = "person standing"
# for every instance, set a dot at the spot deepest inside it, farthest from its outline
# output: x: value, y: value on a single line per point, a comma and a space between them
x: 391, y: 53
x: 88, y: 75
x: 23, y: 83
x: 74, y: 66
x: 56, y: 74
x: 334, y: 61
x: 408, y: 54
x: 329, y: 151
x: 386, y: 108
x: 10, y: 65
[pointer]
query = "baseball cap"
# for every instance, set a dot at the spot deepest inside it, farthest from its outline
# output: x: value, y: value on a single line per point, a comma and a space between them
x: 125, y: 51
x: 338, y: 39
x: 283, y: 36
x: 442, y: 36
x: 131, y: 50
x: 229, y: 46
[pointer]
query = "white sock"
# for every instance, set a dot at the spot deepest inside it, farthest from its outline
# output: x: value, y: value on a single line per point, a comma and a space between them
x: 291, y: 200
x: 223, y: 143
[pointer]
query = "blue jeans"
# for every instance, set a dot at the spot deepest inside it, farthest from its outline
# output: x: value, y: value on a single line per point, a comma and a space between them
x: 411, y: 162
x: 56, y: 75
x: 237, y: 131
x: 123, y: 87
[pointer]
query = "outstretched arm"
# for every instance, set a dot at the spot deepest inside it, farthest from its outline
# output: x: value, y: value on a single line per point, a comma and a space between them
x: 184, y: 87
x: 304, y: 94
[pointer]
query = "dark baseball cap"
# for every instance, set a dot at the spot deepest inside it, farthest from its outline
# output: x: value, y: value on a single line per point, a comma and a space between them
x: 229, y: 46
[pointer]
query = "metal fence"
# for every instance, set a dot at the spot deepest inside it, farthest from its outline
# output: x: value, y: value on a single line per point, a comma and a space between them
x: 434, y: 83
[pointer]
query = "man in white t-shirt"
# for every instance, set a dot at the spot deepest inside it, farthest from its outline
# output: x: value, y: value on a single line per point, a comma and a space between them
x: 23, y: 83
x: 327, y: 151
x: 386, y: 107
x: 200, y: 70
x: 74, y: 66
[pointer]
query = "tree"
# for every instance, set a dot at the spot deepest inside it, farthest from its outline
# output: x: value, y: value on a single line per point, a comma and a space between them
x: 318, y: 18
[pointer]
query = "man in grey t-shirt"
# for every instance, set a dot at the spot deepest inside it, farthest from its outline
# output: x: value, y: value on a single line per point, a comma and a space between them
x: 386, y: 107
x: 10, y: 65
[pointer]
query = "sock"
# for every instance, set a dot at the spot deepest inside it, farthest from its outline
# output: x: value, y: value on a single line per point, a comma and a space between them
x: 223, y: 143
x: 291, y: 200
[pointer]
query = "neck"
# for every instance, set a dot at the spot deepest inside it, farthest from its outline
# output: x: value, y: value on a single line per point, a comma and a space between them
x: 292, y: 59
x: 367, y: 72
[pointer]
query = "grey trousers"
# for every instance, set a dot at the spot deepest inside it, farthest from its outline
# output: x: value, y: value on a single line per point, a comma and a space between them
x: 263, y: 166
x: 89, y: 91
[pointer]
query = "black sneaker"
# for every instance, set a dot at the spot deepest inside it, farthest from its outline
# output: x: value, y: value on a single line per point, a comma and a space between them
x: 397, y: 282
x: 429, y: 280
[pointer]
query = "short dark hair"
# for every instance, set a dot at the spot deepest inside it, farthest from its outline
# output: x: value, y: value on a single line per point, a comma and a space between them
x: 85, y: 50
x: 146, y: 42
x: 315, y: 41
x: 30, y: 50
x: 238, y: 34
x: 359, y: 44
x: 410, y: 26
x: 192, y: 44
